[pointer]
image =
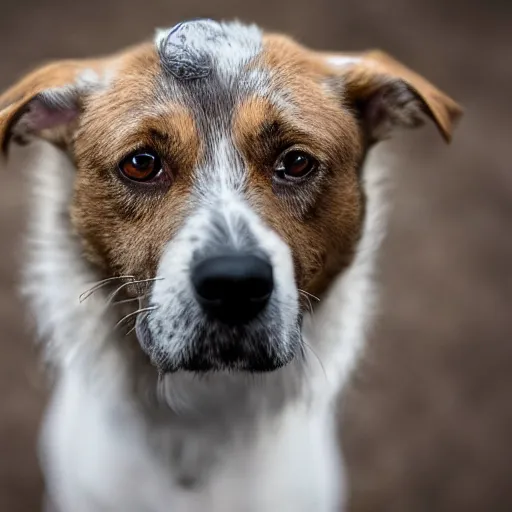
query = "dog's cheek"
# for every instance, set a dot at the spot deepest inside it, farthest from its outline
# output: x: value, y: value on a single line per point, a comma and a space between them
x: 123, y: 231
x: 324, y: 243
x: 89, y: 226
x: 115, y: 246
x: 340, y: 222
x: 98, y: 220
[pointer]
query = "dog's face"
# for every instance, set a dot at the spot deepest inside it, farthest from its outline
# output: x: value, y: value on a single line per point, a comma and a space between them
x: 226, y: 164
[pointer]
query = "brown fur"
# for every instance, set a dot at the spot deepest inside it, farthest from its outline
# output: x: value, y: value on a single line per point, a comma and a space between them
x: 126, y: 225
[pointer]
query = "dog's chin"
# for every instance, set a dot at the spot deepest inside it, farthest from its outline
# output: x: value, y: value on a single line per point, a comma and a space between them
x: 254, y: 353
x: 198, y: 364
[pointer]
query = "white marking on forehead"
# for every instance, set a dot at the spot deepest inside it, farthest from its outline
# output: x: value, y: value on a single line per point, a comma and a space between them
x: 192, y: 49
x: 223, y: 175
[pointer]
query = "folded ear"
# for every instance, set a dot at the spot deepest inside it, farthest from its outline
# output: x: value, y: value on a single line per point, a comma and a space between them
x: 388, y: 94
x: 47, y: 101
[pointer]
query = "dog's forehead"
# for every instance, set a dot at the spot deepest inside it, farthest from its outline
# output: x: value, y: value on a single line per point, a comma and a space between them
x: 195, y: 49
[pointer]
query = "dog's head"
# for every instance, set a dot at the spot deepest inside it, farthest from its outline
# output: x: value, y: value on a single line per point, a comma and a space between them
x: 225, y: 164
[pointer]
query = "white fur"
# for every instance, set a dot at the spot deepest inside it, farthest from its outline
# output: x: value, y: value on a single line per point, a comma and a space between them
x: 343, y: 60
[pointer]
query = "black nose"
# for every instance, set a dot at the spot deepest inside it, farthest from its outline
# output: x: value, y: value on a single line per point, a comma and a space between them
x: 233, y: 288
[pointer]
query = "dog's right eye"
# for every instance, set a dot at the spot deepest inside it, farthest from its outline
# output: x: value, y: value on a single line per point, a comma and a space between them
x: 141, y: 165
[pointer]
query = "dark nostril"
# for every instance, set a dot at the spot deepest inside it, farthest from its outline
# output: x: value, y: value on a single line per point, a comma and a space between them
x: 233, y: 288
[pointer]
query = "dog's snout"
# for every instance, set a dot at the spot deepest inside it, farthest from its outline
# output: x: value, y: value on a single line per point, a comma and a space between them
x: 233, y: 288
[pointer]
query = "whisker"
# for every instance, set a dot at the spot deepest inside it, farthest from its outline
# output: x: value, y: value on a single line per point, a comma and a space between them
x: 124, y: 301
x: 112, y: 296
x: 134, y: 313
x: 308, y: 346
x: 135, y: 324
x: 100, y: 284
x: 309, y: 294
x: 131, y: 330
x: 310, y: 305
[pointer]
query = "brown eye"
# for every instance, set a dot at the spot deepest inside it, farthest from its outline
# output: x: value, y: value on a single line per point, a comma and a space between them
x: 141, y: 166
x: 295, y: 165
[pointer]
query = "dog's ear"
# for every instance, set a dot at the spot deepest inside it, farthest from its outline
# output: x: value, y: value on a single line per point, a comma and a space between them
x: 387, y: 94
x: 47, y: 102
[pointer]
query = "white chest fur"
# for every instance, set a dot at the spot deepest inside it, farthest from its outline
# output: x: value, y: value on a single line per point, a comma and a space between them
x: 96, y: 461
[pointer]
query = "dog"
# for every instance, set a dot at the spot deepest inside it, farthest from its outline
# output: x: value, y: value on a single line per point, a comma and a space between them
x: 205, y: 220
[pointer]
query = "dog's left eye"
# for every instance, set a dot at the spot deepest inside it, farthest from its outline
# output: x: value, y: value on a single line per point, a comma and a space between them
x: 141, y: 165
x: 295, y: 165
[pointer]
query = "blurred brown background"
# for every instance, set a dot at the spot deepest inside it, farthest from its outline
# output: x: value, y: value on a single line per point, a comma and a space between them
x: 428, y: 418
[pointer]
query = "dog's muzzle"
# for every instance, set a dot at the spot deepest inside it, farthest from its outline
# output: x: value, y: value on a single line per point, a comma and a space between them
x: 226, y: 298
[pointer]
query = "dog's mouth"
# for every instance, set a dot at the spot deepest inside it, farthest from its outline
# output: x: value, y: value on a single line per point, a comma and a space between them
x: 210, y: 345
